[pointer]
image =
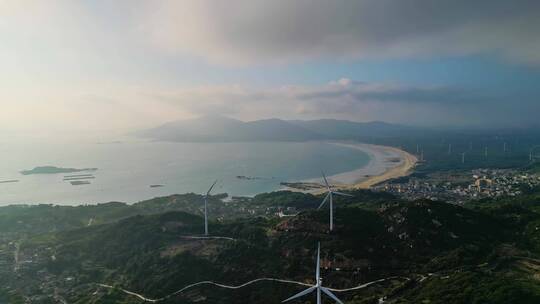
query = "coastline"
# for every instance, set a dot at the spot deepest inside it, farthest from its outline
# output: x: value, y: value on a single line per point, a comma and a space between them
x: 161, y: 164
x: 385, y: 163
x: 403, y: 168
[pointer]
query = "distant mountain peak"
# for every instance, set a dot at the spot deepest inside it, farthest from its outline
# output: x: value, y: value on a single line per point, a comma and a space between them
x: 213, y: 119
x: 217, y: 128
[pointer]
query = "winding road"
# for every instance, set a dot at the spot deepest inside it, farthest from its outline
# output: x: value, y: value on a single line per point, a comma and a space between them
x: 244, y: 285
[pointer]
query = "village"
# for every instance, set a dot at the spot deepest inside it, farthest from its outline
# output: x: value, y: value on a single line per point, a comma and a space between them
x: 460, y: 187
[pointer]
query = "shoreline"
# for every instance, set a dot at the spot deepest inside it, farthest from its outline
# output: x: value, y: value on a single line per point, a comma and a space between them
x: 385, y: 163
x: 404, y: 168
x: 381, y: 163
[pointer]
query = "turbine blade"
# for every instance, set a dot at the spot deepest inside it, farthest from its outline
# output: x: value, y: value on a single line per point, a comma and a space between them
x: 331, y: 211
x: 342, y: 194
x: 324, y: 201
x: 325, y: 180
x: 209, y: 190
x: 300, y: 294
x: 331, y: 295
x: 318, y: 271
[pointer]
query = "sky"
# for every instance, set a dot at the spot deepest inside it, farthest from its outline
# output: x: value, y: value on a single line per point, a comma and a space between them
x: 116, y: 66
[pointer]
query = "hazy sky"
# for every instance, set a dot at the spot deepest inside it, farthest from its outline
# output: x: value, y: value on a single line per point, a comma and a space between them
x: 122, y: 65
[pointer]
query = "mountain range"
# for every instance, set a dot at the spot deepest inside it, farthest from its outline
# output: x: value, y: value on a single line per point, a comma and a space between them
x: 223, y: 129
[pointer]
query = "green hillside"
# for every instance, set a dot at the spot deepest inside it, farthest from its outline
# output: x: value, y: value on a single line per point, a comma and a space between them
x: 435, y: 252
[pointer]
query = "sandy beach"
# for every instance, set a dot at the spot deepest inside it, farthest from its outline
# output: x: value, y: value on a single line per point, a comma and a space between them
x: 404, y: 167
x: 386, y: 163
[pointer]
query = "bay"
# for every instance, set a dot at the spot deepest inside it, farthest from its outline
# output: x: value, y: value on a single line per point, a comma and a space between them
x: 127, y: 169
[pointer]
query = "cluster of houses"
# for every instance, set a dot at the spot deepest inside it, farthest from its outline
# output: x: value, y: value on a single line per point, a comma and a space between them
x: 480, y: 183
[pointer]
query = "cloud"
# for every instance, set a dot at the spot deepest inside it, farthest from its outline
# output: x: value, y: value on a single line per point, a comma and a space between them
x: 282, y: 31
x: 348, y: 99
x: 106, y: 65
x: 129, y: 108
x: 383, y: 93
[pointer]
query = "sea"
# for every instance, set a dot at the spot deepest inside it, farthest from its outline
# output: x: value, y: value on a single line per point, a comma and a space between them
x: 127, y: 169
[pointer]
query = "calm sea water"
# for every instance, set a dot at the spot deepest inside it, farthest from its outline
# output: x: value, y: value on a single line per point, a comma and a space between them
x: 127, y: 169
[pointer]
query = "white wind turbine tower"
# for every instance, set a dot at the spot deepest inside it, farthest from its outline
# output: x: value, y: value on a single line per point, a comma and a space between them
x: 329, y: 196
x: 318, y: 287
x: 206, y: 209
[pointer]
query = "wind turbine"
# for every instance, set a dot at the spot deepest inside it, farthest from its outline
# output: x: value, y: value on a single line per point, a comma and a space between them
x: 206, y: 208
x: 329, y: 196
x: 318, y: 287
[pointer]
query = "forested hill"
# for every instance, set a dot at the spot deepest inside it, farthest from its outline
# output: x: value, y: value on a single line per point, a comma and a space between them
x: 428, y: 252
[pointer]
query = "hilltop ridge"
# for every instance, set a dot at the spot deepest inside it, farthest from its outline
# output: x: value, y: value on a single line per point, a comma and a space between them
x: 417, y: 251
x: 223, y: 129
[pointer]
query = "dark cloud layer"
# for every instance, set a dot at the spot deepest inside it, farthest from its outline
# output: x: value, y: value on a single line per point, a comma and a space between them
x: 255, y: 31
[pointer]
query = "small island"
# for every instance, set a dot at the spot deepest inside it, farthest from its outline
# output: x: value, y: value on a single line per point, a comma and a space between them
x: 79, y: 178
x: 302, y: 186
x: 245, y: 177
x: 54, y: 170
x: 79, y: 183
x: 9, y: 181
